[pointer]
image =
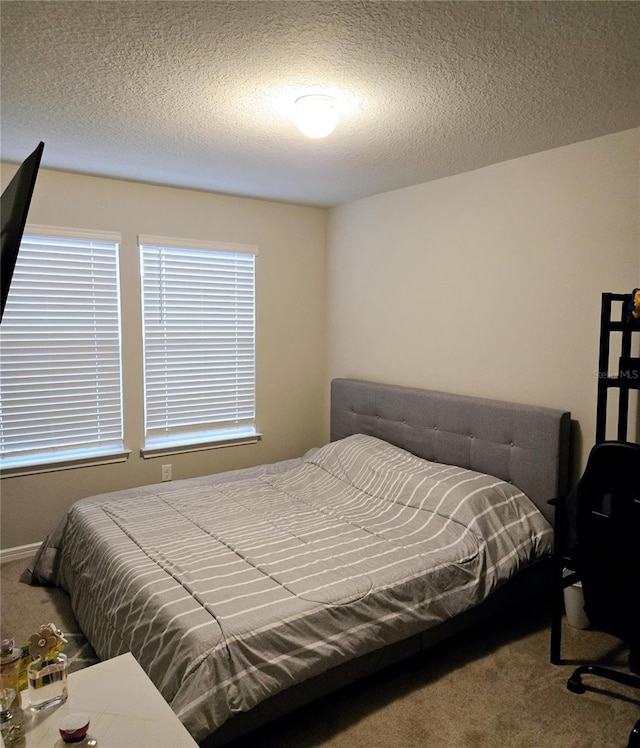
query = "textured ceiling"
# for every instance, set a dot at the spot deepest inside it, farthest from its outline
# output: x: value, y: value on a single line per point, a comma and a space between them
x: 198, y: 94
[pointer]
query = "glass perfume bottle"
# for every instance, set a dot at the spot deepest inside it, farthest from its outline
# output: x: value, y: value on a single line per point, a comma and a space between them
x: 47, y: 682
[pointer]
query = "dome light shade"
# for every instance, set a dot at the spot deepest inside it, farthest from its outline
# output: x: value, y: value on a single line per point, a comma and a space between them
x: 316, y: 115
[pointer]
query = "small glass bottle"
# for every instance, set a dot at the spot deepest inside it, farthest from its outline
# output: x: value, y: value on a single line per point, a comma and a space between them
x: 9, y: 670
x: 11, y: 714
x: 47, y: 682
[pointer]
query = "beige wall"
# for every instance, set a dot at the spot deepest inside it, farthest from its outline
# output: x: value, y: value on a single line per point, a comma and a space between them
x: 489, y: 283
x: 290, y: 327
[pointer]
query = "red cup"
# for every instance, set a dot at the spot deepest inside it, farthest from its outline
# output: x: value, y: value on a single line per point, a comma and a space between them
x: 73, y: 727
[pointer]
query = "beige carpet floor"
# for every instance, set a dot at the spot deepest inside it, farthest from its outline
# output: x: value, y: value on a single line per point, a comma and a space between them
x: 490, y: 688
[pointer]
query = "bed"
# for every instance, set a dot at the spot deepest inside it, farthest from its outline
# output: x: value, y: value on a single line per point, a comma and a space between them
x: 247, y: 594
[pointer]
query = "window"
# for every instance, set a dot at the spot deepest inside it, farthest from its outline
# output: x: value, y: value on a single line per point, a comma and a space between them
x: 199, y: 344
x: 60, y: 374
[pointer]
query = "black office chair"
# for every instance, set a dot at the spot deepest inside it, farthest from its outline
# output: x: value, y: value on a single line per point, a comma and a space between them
x: 603, y: 520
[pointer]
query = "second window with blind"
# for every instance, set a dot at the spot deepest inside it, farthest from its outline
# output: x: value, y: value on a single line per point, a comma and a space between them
x: 198, y: 307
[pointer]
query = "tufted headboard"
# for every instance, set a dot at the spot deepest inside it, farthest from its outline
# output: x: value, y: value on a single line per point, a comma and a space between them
x: 524, y: 444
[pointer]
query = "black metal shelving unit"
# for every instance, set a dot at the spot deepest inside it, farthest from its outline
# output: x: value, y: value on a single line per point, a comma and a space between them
x: 627, y: 378
x: 628, y: 375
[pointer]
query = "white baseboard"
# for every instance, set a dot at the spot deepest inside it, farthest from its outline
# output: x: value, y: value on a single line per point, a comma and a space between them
x: 19, y: 552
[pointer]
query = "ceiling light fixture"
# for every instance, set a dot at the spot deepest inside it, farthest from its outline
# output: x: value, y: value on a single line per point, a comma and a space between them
x: 316, y: 115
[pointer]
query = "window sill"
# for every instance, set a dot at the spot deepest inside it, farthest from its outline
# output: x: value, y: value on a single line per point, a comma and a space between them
x: 176, y: 449
x: 54, y: 465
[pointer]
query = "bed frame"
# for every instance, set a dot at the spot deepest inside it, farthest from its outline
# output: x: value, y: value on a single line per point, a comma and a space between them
x: 523, y: 444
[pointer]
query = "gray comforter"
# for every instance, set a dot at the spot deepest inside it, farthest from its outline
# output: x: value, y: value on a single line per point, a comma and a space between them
x: 230, y: 588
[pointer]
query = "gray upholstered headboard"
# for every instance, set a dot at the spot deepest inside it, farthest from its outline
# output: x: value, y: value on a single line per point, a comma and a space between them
x: 524, y: 444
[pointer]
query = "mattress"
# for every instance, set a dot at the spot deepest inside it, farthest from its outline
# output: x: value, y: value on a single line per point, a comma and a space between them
x: 232, y: 587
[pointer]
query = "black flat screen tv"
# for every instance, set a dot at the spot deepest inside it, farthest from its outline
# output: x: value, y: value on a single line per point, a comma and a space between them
x: 14, y: 206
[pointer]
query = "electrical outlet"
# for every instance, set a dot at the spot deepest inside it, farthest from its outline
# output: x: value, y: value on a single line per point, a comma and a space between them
x: 166, y: 472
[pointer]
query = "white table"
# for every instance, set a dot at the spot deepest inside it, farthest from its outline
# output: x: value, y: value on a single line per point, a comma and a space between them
x: 125, y: 708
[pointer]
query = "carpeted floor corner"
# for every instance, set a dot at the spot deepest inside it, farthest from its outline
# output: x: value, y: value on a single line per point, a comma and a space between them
x: 24, y: 607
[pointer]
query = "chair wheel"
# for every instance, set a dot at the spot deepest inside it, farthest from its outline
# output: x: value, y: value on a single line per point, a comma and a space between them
x: 576, y: 685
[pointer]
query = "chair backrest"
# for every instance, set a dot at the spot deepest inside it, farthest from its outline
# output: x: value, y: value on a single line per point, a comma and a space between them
x: 607, y: 551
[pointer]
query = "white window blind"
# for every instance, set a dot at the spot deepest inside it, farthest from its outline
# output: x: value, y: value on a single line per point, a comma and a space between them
x: 199, y: 343
x: 60, y: 355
